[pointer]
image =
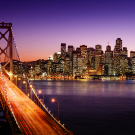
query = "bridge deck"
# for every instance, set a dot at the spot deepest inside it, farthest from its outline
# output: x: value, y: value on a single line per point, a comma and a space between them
x: 31, y: 118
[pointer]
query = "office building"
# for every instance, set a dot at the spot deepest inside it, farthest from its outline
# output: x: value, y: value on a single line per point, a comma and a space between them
x: 63, y: 50
x: 108, y: 61
x: 98, y: 57
x: 83, y: 49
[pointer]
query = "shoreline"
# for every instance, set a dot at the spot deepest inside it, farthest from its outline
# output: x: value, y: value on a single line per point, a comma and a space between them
x: 102, y: 79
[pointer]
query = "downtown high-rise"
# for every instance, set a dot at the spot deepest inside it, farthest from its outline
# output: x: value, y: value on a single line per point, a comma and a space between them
x: 86, y: 61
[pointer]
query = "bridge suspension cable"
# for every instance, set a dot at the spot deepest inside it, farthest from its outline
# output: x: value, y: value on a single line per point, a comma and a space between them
x: 8, y: 67
x: 33, y: 90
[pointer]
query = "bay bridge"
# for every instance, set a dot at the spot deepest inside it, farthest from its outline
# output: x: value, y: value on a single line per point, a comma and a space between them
x: 25, y: 112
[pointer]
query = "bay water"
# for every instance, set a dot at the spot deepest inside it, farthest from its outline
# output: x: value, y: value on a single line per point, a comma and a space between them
x: 91, y: 107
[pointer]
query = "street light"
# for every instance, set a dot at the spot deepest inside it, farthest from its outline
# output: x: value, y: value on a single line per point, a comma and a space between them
x: 31, y: 91
x: 25, y: 82
x: 53, y: 100
x: 15, y: 79
x: 31, y: 86
x: 39, y: 92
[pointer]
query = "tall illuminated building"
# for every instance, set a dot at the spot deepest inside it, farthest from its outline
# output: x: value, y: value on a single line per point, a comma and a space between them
x: 98, y: 59
x: 85, y: 60
x: 83, y: 49
x: 133, y: 64
x: 49, y: 66
x: 98, y: 49
x: 132, y: 59
x: 74, y: 63
x: 91, y: 54
x: 93, y: 63
x: 67, y: 65
x: 78, y: 50
x: 132, y: 54
x: 61, y: 65
x: 123, y: 64
x: 116, y: 56
x: 108, y: 61
x: 70, y: 51
x: 70, y: 54
x: 56, y: 57
x: 80, y: 64
x: 124, y: 61
x: 125, y: 51
x: 118, y: 47
x: 63, y: 50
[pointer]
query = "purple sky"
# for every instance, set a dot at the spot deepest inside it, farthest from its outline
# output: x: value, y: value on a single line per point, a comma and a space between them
x: 40, y: 26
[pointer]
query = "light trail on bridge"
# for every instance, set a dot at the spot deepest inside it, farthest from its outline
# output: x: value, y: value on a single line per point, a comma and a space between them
x: 31, y: 118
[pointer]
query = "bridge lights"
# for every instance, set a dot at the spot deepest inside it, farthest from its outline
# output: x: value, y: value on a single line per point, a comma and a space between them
x: 39, y: 91
x: 24, y: 82
x: 53, y: 100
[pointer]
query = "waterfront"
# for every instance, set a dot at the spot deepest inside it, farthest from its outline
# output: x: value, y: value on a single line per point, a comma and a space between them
x: 92, y: 107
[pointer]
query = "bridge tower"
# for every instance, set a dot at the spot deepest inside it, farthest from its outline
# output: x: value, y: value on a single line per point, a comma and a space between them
x: 8, y: 27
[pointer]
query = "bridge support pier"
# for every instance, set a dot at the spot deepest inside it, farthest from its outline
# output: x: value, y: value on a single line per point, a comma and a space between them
x: 8, y: 27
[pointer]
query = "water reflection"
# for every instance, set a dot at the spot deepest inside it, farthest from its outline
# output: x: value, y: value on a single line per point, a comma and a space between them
x: 91, y: 107
x: 85, y: 88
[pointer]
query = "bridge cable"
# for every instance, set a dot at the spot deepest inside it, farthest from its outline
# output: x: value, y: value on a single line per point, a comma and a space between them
x: 33, y: 89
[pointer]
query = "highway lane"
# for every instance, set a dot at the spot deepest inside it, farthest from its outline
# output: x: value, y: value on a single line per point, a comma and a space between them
x: 31, y: 118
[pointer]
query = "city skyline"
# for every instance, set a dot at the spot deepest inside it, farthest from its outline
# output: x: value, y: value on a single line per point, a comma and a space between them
x: 91, y: 75
x: 41, y: 26
x: 94, y: 47
x: 82, y: 62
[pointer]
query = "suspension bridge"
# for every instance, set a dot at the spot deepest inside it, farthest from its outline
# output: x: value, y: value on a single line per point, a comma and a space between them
x: 25, y: 112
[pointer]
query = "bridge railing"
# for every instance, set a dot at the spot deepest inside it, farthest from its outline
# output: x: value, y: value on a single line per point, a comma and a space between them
x: 33, y: 95
x: 7, y: 106
x: 33, y: 91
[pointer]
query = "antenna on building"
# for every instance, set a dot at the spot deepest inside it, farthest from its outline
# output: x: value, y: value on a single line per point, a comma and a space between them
x: 108, y: 42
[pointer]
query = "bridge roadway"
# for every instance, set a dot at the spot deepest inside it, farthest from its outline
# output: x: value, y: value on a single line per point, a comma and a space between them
x: 31, y: 118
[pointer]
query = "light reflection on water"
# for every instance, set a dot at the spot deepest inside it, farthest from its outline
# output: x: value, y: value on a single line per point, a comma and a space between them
x: 92, y: 107
x: 88, y: 88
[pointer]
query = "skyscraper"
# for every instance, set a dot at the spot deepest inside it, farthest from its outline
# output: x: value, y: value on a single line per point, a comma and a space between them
x: 70, y: 50
x: 118, y: 46
x: 133, y: 64
x: 123, y: 65
x: 80, y: 64
x: 125, y: 51
x: 56, y: 57
x: 74, y: 63
x: 98, y: 57
x: 83, y: 49
x: 132, y: 54
x: 84, y: 60
x: 78, y: 51
x: 91, y: 55
x: 108, y: 61
x: 63, y: 50
x: 67, y: 65
x: 116, y: 59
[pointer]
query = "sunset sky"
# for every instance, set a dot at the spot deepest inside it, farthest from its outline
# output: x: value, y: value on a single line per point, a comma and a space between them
x: 40, y: 26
